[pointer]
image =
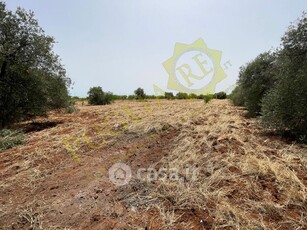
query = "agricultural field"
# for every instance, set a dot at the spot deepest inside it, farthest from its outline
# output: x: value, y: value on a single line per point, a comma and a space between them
x: 221, y: 171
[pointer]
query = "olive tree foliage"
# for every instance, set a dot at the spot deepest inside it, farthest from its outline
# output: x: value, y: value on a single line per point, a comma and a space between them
x: 237, y: 96
x: 256, y: 78
x: 220, y: 95
x: 140, y: 94
x: 169, y: 95
x: 181, y: 95
x: 32, y: 79
x: 285, y: 106
x: 96, y: 96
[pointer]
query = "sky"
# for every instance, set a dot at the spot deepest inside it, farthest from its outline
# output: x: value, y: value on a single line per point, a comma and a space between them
x: 121, y: 45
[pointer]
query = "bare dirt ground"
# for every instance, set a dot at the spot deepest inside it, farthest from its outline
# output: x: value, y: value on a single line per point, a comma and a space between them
x: 230, y: 174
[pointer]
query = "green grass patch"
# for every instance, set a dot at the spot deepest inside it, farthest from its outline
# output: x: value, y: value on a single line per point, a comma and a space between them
x: 10, y: 138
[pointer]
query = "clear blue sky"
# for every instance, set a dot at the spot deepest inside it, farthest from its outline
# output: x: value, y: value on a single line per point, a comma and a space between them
x: 121, y: 44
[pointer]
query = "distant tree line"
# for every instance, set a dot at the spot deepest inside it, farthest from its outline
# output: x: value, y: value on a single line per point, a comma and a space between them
x: 273, y: 86
x: 96, y: 96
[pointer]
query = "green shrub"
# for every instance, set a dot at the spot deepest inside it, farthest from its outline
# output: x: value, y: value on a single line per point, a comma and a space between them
x: 192, y: 96
x: 220, y: 95
x: 180, y: 95
x: 150, y: 96
x: 169, y: 95
x: 71, y: 108
x: 131, y: 97
x: 208, y: 97
x: 237, y: 96
x: 119, y: 97
x: 140, y: 94
x: 96, y: 96
x: 10, y: 138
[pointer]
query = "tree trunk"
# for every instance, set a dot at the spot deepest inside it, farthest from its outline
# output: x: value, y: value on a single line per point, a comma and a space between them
x: 2, y: 124
x: 3, y: 69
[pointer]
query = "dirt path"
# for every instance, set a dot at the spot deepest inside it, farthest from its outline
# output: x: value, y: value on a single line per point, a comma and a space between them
x: 59, y: 179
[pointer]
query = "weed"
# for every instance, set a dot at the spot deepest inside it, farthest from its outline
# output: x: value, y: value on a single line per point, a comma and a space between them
x: 10, y: 138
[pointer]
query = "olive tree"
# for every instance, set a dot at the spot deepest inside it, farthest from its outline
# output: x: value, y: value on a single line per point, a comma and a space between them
x: 96, y: 96
x: 285, y: 106
x: 32, y: 78
x: 140, y: 94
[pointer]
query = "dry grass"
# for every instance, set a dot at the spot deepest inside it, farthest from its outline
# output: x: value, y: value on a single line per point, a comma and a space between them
x: 243, y: 179
x: 231, y: 175
x: 30, y: 218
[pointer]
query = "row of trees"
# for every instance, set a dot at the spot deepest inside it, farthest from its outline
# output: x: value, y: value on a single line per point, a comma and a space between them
x: 274, y: 85
x: 96, y: 96
x: 32, y: 79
